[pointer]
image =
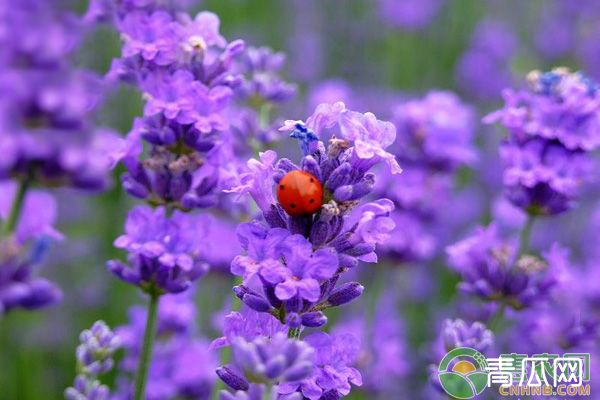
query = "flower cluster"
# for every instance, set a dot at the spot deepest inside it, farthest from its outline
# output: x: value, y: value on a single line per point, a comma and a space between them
x: 164, y: 253
x: 484, y: 68
x: 265, y: 360
x: 182, y: 364
x: 496, y: 270
x: 293, y: 260
x: 435, y: 138
x: 262, y: 89
x: 277, y: 359
x: 297, y: 250
x: 261, y: 68
x: 178, y: 157
x: 48, y: 138
x: 551, y: 132
x: 183, y: 66
x: 333, y: 374
x: 437, y: 130
x: 571, y: 321
x: 45, y: 103
x: 94, y: 358
x: 458, y: 333
x: 22, y: 253
x: 552, y: 127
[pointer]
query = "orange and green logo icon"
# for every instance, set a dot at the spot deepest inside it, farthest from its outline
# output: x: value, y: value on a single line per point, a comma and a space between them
x: 463, y: 373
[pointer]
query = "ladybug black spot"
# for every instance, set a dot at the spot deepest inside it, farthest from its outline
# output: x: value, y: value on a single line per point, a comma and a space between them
x: 311, y: 201
x: 281, y: 187
x: 311, y: 180
x: 292, y: 205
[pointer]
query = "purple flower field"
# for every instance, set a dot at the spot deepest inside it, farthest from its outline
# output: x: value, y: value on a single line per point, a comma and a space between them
x: 299, y: 199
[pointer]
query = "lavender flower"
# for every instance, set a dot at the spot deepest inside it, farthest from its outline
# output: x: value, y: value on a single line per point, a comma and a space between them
x: 94, y: 358
x: 543, y: 177
x: 410, y: 15
x: 275, y: 359
x: 38, y: 34
x: 22, y: 253
x: 163, y: 252
x: 151, y: 37
x: 560, y: 105
x: 38, y: 217
x: 458, y: 333
x: 19, y: 287
x: 293, y: 263
x: 436, y: 130
x: 263, y: 355
x: 184, y: 67
x: 253, y: 123
x: 557, y: 328
x: 262, y: 67
x: 435, y: 137
x: 46, y: 104
x: 551, y: 127
x: 491, y: 269
x: 333, y: 374
x: 483, y: 70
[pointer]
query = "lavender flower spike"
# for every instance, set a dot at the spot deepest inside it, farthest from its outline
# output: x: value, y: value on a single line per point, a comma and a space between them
x: 551, y: 127
x: 293, y: 262
x: 266, y: 361
x: 491, y: 270
x: 458, y: 333
x: 94, y: 358
x: 163, y: 252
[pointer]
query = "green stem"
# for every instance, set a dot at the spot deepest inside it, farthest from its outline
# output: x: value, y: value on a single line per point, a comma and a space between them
x: 146, y: 355
x: 267, y: 393
x: 10, y: 224
x: 264, y: 116
x: 497, y: 318
x: 525, y: 235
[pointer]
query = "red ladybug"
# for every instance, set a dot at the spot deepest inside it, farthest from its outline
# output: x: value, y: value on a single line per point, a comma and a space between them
x: 300, y: 193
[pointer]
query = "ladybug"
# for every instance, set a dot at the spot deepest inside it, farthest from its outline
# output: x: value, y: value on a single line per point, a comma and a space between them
x: 300, y: 193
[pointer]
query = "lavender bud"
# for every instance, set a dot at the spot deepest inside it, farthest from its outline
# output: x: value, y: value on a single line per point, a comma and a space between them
x: 256, y: 302
x: 314, y: 319
x: 361, y: 249
x: 232, y: 379
x: 94, y: 357
x: 343, y: 193
x: 240, y: 291
x: 340, y: 176
x: 347, y: 261
x: 345, y: 293
x: 319, y: 233
x: 310, y: 165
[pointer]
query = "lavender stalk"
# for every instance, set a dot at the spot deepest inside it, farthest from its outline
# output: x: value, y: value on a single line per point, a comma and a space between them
x: 17, y: 206
x: 146, y: 355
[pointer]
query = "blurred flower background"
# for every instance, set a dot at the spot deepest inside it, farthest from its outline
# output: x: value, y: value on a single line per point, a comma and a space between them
x: 126, y: 130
